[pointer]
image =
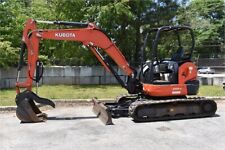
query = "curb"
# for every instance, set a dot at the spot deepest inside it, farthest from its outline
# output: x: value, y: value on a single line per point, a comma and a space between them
x: 7, y: 108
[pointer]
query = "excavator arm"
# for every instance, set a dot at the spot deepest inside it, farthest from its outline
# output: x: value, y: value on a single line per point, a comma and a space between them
x: 90, y: 36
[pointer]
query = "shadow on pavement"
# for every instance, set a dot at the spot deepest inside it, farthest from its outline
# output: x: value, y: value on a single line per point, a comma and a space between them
x: 71, y: 118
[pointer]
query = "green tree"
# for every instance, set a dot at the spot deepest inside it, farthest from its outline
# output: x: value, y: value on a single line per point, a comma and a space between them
x: 123, y: 20
x: 8, y: 54
x: 13, y: 14
x: 207, y: 18
x: 114, y: 18
x: 120, y: 19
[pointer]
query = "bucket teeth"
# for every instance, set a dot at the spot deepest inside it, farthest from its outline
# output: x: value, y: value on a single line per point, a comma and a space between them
x: 102, y: 112
x: 27, y: 111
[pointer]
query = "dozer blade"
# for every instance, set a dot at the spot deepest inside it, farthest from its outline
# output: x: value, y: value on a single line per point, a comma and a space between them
x: 27, y: 111
x: 102, y: 112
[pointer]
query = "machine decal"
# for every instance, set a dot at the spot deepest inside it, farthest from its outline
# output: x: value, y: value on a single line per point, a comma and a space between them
x: 65, y: 35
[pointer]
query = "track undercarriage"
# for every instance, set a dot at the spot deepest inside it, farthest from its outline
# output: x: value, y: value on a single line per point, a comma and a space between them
x: 147, y: 110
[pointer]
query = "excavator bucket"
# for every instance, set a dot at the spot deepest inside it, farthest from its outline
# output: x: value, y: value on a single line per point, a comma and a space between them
x: 102, y: 112
x: 27, y: 111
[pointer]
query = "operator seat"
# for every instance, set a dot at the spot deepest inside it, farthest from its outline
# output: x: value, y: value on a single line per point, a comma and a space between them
x: 177, y: 57
x: 171, y: 68
x: 166, y: 72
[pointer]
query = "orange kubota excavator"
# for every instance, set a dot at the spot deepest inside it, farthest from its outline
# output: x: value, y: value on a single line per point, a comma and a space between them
x: 157, y: 91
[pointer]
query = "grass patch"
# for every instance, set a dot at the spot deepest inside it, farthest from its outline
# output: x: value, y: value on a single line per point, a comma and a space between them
x: 7, y: 96
x: 80, y: 91
x: 208, y: 90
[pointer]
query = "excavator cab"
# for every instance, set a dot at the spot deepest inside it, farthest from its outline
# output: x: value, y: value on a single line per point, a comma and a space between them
x: 164, y: 50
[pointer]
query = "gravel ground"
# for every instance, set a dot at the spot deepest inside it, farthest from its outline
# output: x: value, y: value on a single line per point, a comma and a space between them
x: 76, y: 127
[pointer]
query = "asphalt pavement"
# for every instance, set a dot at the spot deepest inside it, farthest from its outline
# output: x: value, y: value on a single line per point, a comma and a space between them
x: 77, y: 128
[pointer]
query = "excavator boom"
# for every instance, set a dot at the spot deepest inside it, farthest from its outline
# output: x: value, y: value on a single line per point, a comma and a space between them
x: 86, y: 33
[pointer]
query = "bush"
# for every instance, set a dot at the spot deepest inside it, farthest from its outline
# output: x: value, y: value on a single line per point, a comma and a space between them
x: 8, y: 54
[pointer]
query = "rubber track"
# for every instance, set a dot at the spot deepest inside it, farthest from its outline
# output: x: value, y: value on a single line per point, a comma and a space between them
x: 197, y: 101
